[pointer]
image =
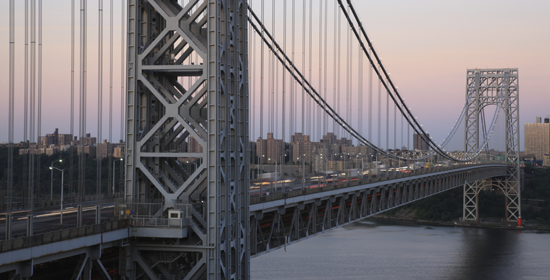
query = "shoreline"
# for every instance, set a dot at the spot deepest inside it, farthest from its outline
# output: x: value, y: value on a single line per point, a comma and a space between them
x: 473, y: 225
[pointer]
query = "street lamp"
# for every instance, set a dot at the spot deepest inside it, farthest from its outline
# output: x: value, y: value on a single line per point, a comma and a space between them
x: 114, y: 167
x: 51, y: 188
x: 62, y: 176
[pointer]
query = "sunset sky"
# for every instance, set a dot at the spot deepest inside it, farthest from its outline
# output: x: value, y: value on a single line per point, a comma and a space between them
x: 426, y: 45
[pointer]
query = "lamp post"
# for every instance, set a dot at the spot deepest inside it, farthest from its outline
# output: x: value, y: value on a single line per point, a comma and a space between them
x: 51, y: 187
x: 114, y: 167
x: 61, y: 204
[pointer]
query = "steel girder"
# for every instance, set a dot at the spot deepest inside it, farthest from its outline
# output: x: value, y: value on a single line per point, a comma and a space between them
x: 486, y: 87
x: 187, y: 102
x: 280, y: 222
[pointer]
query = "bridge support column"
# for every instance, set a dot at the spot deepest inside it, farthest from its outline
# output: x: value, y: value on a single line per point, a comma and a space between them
x: 470, y: 210
x: 188, y: 83
x: 486, y: 87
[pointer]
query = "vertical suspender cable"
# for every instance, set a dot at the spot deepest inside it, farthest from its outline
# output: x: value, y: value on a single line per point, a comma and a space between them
x: 395, y: 127
x: 325, y: 116
x: 276, y: 103
x: 360, y: 91
x: 110, y: 94
x: 253, y: 82
x: 352, y: 61
x: 122, y: 71
x: 338, y: 53
x: 319, y: 115
x: 284, y: 92
x: 401, y: 147
x: 261, y: 156
x: 348, y: 78
x: 302, y: 151
x: 370, y: 102
x: 99, y: 95
x: 26, y: 170
x: 310, y: 121
x: 26, y: 74
x: 83, y: 66
x: 11, y: 107
x: 408, y: 137
x: 348, y: 82
x: 71, y: 167
x: 387, y: 121
x: 379, y: 114
x: 293, y: 93
x: 122, y: 82
x: 33, y: 101
x: 334, y: 127
x: 270, y: 76
x: 387, y: 132
x: 39, y: 72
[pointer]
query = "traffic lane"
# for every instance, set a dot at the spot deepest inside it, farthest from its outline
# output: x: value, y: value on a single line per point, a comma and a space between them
x: 24, y: 211
x: 47, y: 222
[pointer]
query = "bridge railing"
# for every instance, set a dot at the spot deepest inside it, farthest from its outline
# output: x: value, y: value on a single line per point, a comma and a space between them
x: 158, y: 222
x: 61, y: 235
x: 351, y: 183
x: 41, y: 204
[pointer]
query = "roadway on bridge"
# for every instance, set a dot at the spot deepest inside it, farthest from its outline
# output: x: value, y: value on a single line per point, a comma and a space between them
x: 49, y: 220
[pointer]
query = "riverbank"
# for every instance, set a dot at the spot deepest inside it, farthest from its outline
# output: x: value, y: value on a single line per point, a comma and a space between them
x: 408, y: 215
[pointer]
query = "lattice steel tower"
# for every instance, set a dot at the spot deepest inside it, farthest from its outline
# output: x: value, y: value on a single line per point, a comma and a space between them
x: 485, y: 87
x: 187, y: 140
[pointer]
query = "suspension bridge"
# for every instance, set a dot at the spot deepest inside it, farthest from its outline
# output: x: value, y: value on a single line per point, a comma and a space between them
x: 222, y: 164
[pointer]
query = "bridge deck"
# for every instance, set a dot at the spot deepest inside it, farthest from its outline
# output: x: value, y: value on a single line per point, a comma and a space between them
x: 275, y: 219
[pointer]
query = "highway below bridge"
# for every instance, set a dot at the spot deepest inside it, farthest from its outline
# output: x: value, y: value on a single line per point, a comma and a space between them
x: 275, y: 220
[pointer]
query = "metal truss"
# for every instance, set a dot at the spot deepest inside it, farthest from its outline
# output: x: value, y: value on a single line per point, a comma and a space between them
x: 187, y: 105
x: 470, y: 210
x: 485, y: 87
x: 80, y: 260
x: 275, y: 224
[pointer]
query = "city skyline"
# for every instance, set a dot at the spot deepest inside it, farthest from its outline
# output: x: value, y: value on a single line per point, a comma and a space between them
x: 427, y: 60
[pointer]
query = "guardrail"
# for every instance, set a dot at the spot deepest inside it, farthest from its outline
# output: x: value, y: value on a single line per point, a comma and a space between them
x: 41, y: 205
x: 158, y: 222
x: 134, y: 210
x: 61, y: 235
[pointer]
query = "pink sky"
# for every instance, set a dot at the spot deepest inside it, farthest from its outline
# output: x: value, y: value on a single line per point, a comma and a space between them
x: 426, y: 46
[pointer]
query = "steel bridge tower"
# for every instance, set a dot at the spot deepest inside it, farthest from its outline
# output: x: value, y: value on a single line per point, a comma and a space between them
x: 187, y: 158
x: 485, y: 87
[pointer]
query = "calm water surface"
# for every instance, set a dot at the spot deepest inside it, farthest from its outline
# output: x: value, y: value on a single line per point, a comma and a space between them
x: 383, y: 249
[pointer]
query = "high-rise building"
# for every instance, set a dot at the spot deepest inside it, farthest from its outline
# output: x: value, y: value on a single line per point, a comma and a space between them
x: 88, y: 140
x: 419, y: 143
x: 301, y: 150
x: 261, y: 150
x: 330, y: 138
x: 118, y: 152
x: 48, y: 140
x: 345, y: 142
x: 64, y: 139
x: 274, y: 149
x: 537, y: 138
x: 107, y: 149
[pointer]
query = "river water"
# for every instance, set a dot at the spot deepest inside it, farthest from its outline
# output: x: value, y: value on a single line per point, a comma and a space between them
x: 388, y: 249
